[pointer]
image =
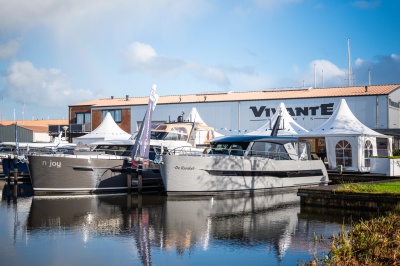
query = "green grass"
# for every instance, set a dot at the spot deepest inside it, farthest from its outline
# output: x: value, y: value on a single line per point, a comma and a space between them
x: 381, y: 188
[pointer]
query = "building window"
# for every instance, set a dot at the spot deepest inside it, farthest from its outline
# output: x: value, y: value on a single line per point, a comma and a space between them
x: 115, y: 114
x: 82, y: 118
x: 368, y: 147
x: 343, y: 153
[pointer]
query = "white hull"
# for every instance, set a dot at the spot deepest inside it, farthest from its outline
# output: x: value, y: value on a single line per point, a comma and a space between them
x: 210, y: 174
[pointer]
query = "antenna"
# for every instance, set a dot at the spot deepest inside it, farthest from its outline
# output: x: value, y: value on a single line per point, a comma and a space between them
x: 369, y: 76
x: 350, y: 83
x: 315, y: 76
x: 23, y: 111
x: 322, y: 78
x: 2, y: 107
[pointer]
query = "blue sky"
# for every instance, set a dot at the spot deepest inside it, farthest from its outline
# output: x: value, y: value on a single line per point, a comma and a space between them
x: 57, y: 53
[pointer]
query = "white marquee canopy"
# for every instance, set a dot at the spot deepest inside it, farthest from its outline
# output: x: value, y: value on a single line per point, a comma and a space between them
x: 287, y: 125
x: 348, y: 141
x: 107, y: 130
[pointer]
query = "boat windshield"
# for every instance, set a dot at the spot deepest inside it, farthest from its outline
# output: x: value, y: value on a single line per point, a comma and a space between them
x: 175, y: 133
x: 112, y: 149
x: 278, y: 151
x: 158, y: 135
x: 229, y: 148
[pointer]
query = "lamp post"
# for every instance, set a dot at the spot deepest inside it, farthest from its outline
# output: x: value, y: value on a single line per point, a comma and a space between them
x: 65, y: 130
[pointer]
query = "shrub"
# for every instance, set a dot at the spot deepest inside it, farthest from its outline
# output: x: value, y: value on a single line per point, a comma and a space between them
x: 396, y: 152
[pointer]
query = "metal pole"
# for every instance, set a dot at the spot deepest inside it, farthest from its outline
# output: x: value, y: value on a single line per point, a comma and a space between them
x: 140, y: 172
x: 129, y: 175
x: 15, y: 180
x: 8, y: 176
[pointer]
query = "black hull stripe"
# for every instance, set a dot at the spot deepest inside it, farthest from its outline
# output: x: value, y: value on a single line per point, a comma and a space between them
x: 278, y: 174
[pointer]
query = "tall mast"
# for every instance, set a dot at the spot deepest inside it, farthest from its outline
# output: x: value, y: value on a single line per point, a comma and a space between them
x: 350, y: 83
x: 2, y: 108
x: 23, y: 113
x: 315, y: 76
x: 322, y: 78
x: 369, y: 77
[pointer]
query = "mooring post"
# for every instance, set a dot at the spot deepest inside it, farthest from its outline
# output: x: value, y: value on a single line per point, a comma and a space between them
x: 140, y: 172
x: 129, y: 202
x: 129, y: 174
x: 15, y: 176
x: 140, y: 204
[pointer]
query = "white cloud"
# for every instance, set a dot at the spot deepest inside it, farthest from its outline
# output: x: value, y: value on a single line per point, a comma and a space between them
x: 382, y: 70
x: 22, y: 14
x: 395, y: 57
x: 358, y: 62
x: 143, y: 58
x: 326, y: 72
x: 38, y: 86
x: 215, y: 76
x: 8, y: 49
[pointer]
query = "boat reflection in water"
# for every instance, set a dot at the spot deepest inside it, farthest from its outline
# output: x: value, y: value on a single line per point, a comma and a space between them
x: 193, y: 230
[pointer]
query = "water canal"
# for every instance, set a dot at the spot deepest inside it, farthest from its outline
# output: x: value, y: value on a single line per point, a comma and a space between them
x: 125, y: 229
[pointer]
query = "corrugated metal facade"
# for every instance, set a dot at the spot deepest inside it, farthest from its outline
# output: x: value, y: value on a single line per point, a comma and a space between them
x: 7, y: 134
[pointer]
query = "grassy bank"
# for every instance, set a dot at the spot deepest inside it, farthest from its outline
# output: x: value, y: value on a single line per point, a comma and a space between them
x: 380, y: 188
x: 373, y: 242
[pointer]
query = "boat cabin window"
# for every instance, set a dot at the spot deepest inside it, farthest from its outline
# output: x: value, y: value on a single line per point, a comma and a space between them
x: 229, y: 148
x: 5, y: 149
x: 159, y: 127
x: 177, y: 133
x: 269, y: 149
x: 112, y: 149
x: 158, y: 135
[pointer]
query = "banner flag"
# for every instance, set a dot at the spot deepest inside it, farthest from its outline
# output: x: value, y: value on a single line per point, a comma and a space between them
x: 142, y: 144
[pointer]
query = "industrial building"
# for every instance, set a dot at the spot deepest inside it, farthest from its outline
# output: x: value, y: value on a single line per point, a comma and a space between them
x: 377, y: 106
x: 30, y: 130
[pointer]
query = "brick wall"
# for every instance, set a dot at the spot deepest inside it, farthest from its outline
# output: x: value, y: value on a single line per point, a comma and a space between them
x: 125, y: 125
x: 78, y: 109
x: 126, y: 120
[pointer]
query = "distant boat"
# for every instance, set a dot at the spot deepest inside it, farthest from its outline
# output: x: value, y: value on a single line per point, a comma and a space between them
x: 26, y: 147
x: 14, y: 154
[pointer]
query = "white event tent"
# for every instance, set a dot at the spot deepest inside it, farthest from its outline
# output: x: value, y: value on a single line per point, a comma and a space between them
x: 348, y: 141
x: 204, y: 134
x: 107, y: 130
x: 287, y: 126
x: 194, y: 116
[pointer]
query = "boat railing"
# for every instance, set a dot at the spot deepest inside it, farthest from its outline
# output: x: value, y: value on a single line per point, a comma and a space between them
x: 186, y: 150
x: 99, y: 153
x: 276, y: 155
x: 110, y: 151
x: 208, y: 151
x: 91, y: 155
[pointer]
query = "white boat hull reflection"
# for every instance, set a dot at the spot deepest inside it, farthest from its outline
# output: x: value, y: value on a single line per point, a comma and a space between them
x: 171, y: 224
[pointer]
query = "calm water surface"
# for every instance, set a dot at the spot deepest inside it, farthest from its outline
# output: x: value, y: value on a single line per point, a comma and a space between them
x: 156, y: 230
